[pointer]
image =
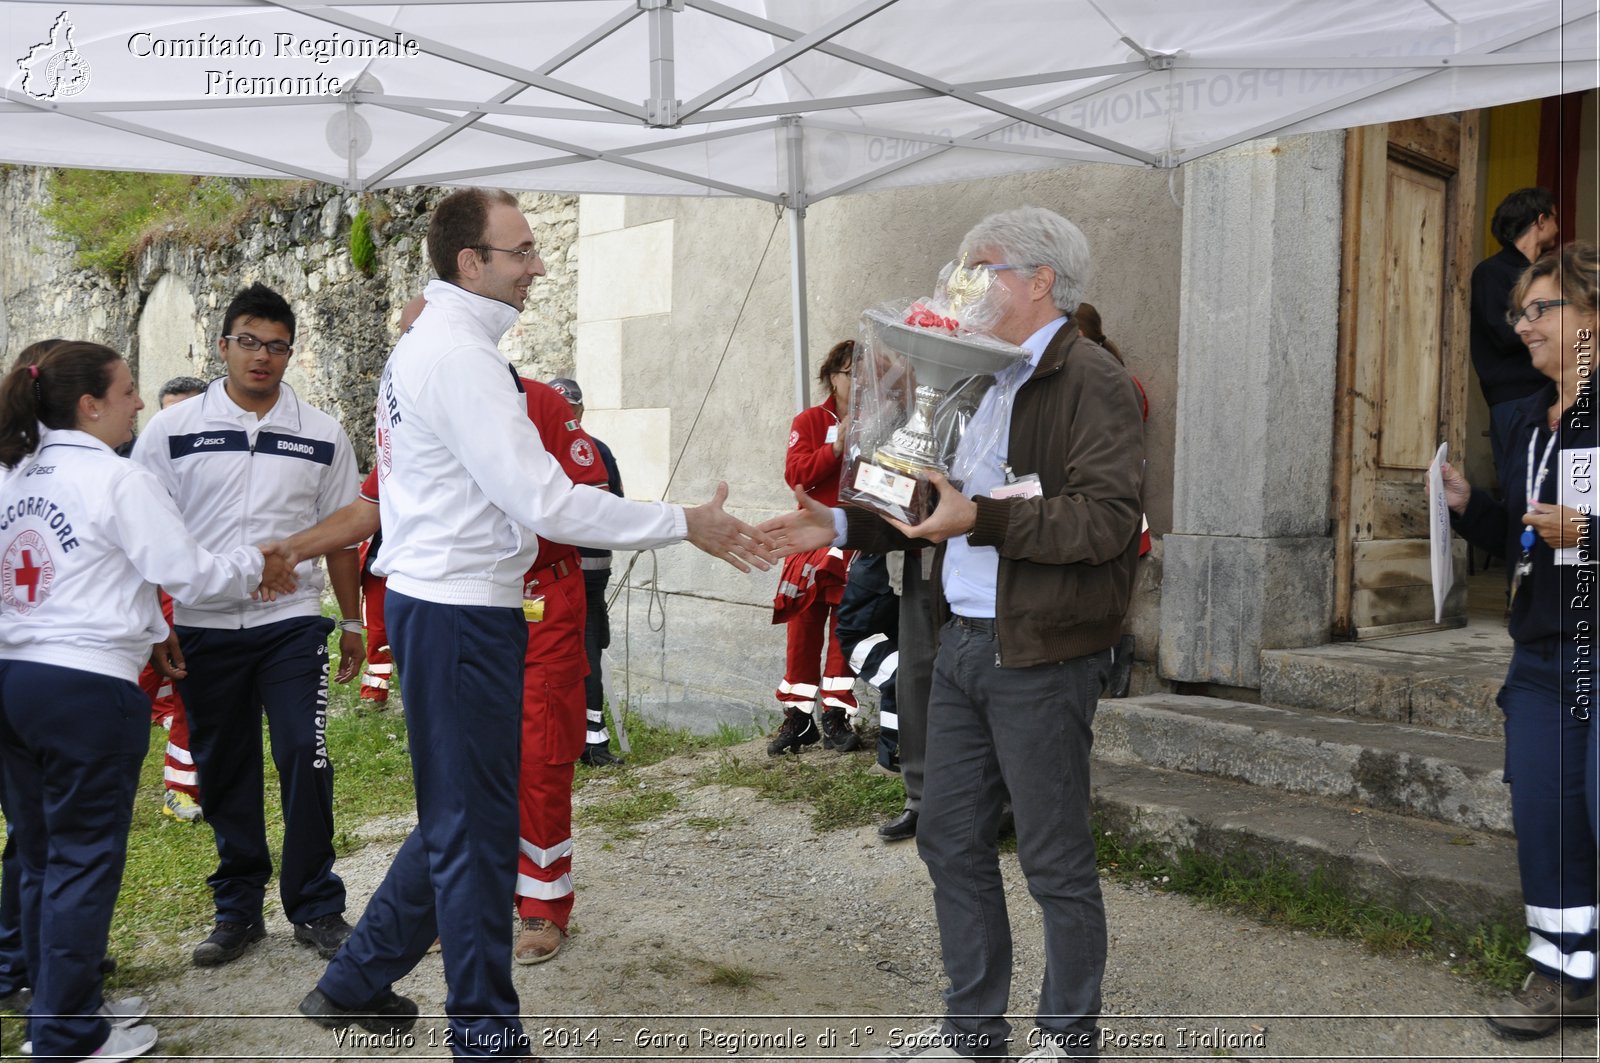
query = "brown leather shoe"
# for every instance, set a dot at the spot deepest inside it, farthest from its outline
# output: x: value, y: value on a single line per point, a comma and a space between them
x: 1540, y: 1007
x: 538, y: 940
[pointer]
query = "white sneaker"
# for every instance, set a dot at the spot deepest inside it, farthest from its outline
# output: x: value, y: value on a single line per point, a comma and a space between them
x: 125, y: 1012
x: 121, y: 1014
x: 127, y: 1043
x: 1048, y: 1050
x: 927, y: 1043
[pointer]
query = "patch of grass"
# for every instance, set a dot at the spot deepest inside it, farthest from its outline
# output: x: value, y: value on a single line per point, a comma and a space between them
x: 112, y: 216
x: 1277, y: 894
x: 727, y: 976
x: 622, y: 815
x: 1497, y: 954
x: 363, y: 252
x: 654, y: 742
x: 839, y: 790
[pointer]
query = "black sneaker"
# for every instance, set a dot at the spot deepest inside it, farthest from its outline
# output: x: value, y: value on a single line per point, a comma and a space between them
x: 227, y: 943
x: 837, y: 732
x: 326, y: 932
x: 388, y: 1013
x: 599, y: 755
x: 798, y: 731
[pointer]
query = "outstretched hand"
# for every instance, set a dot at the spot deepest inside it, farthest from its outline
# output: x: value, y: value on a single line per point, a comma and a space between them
x: 720, y: 534
x: 277, y: 572
x: 802, y: 530
x: 954, y: 515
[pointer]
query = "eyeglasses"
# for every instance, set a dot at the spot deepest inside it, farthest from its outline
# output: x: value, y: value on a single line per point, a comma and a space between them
x: 248, y: 342
x: 528, y: 253
x: 1533, y: 311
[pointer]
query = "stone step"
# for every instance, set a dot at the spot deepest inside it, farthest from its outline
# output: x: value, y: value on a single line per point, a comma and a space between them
x: 1454, y: 779
x: 1440, y: 679
x: 1465, y: 877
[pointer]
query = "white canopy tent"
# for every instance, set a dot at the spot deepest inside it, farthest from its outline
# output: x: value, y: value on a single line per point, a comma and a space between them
x: 787, y: 101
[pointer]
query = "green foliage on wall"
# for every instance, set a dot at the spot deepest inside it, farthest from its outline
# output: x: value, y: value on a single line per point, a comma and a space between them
x: 112, y: 216
x: 363, y: 252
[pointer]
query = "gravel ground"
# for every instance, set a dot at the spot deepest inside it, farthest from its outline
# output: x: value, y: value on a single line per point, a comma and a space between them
x: 730, y: 928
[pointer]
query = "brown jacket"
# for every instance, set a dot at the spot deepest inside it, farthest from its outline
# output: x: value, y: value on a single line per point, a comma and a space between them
x: 1066, y: 558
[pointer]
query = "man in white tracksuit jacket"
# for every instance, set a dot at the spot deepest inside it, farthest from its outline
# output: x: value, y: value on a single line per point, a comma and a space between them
x: 466, y: 485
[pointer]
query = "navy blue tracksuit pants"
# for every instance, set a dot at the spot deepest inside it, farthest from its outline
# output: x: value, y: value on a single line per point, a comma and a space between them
x: 71, y: 742
x: 1553, y: 768
x: 461, y: 683
x: 235, y: 675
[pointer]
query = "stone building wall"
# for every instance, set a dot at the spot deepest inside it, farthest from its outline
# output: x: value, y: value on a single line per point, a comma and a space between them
x: 166, y: 313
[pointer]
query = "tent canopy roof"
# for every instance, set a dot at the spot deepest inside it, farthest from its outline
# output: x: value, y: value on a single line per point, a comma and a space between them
x: 788, y: 101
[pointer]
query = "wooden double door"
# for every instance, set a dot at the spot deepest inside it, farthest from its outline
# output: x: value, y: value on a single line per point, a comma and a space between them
x: 1410, y: 214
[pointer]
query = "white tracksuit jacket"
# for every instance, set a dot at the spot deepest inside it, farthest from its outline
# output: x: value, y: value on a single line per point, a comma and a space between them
x: 85, y: 539
x: 244, y: 480
x: 467, y: 484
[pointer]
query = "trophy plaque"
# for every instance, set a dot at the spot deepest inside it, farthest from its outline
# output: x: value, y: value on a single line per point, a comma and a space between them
x: 891, y: 478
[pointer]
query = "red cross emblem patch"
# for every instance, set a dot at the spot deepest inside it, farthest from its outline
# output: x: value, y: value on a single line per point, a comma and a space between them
x: 26, y: 572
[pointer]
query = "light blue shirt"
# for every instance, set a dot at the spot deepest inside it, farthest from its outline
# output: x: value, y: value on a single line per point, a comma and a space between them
x: 971, y: 573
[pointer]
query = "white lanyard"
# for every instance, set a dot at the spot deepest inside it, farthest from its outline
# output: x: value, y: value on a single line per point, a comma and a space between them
x: 1528, y: 538
x: 1535, y: 486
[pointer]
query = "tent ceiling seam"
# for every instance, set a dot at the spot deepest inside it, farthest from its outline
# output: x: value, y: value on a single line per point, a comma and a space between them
x: 457, y: 55
x: 550, y: 66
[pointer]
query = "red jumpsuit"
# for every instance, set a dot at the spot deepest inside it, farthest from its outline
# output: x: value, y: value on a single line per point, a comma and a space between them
x: 554, y: 706
x: 811, y: 585
x: 166, y: 709
x: 379, y: 669
x: 554, y: 717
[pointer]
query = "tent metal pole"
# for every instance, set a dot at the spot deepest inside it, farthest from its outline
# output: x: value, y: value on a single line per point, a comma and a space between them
x: 794, y: 137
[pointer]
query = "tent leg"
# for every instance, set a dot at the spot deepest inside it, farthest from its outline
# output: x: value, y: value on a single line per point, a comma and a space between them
x: 797, y: 306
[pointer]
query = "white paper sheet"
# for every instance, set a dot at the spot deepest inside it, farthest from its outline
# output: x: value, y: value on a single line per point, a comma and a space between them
x: 1442, y: 564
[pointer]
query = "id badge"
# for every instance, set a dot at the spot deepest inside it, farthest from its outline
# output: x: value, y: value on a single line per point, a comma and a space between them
x: 1022, y: 487
x: 833, y: 434
x: 533, y: 609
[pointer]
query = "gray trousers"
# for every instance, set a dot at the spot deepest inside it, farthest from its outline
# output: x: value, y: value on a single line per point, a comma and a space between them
x: 1025, y: 732
x: 913, y: 678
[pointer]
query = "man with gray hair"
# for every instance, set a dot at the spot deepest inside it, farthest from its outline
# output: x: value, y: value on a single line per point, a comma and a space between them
x: 1037, y: 535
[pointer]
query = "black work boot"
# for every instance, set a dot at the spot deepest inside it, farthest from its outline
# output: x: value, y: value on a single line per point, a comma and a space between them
x: 837, y: 732
x: 798, y: 731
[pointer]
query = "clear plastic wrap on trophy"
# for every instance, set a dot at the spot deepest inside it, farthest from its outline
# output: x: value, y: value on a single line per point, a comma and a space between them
x: 920, y: 373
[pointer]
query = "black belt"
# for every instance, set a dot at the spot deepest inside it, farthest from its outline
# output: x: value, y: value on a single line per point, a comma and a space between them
x: 548, y: 574
x: 984, y: 624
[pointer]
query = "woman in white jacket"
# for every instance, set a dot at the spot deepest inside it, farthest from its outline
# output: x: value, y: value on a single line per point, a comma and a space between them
x: 85, y: 538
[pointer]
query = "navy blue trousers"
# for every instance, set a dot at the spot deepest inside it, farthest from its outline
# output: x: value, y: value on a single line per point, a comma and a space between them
x: 461, y: 683
x: 280, y: 669
x: 71, y: 743
x: 1552, y: 749
x: 13, y: 961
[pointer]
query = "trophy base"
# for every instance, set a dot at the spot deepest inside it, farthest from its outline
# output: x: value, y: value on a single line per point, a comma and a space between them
x: 888, y: 492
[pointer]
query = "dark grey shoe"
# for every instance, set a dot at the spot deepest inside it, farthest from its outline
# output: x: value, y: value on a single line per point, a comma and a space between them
x: 326, y: 932
x: 388, y: 1013
x: 599, y: 755
x: 901, y: 828
x: 227, y: 943
x: 1541, y: 1007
